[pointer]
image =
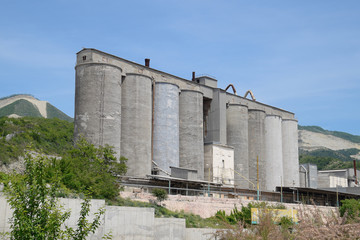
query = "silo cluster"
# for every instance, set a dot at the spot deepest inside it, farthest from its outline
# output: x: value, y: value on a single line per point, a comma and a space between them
x: 158, y: 121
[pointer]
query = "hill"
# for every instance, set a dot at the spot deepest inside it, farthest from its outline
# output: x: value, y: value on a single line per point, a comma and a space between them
x: 328, y: 149
x: 23, y: 105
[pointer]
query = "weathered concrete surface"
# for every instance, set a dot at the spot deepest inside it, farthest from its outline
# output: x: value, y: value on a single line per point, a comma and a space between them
x: 200, y: 234
x: 290, y: 153
x: 257, y: 147
x: 237, y: 137
x: 166, y: 126
x: 191, y: 131
x: 130, y: 223
x: 216, y: 121
x: 219, y: 162
x: 273, y: 152
x: 136, y: 124
x: 169, y: 228
x: 98, y: 104
x: 123, y: 223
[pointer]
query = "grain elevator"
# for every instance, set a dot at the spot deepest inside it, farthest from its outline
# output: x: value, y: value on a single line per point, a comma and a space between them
x: 163, y: 123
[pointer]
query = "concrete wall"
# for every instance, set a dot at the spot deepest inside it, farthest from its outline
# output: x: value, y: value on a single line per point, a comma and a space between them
x: 123, y: 223
x: 216, y: 125
x: 219, y: 162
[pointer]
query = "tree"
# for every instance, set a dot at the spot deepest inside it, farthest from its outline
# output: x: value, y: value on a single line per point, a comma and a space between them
x: 91, y: 169
x: 351, y: 207
x: 36, y: 212
x: 160, y: 194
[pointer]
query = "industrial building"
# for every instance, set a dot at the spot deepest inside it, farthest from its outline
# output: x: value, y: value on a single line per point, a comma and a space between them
x: 177, y: 128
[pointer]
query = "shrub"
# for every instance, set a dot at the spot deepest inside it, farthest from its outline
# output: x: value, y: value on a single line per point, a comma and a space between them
x: 160, y: 194
x: 351, y: 207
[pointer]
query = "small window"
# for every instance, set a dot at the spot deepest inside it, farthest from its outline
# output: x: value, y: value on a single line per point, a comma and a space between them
x: 223, y: 163
x: 84, y: 58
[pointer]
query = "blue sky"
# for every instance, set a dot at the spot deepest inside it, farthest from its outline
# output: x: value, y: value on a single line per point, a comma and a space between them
x: 302, y: 56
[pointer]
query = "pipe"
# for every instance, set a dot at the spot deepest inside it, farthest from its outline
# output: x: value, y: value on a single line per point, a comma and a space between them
x: 306, y: 173
x: 233, y: 88
x: 193, y: 76
x: 157, y: 166
x: 251, y: 94
x: 147, y: 62
x: 356, y: 182
x: 152, y: 120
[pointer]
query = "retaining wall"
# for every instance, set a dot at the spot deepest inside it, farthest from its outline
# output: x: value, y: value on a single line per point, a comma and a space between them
x: 124, y: 223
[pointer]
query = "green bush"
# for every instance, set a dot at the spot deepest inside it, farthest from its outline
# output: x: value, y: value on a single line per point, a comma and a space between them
x: 92, y: 170
x: 351, y: 207
x: 160, y: 194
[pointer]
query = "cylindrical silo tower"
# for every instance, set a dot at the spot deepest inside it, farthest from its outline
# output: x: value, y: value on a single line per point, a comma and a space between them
x: 290, y: 152
x: 191, y: 131
x: 237, y: 137
x: 257, y: 147
x: 136, y: 124
x: 273, y: 152
x: 98, y: 104
x: 166, y: 126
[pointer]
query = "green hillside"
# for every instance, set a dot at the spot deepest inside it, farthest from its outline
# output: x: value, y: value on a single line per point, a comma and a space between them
x: 343, y: 135
x: 25, y: 108
x: 327, y: 159
x: 53, y: 112
x: 51, y: 136
x: 20, y: 107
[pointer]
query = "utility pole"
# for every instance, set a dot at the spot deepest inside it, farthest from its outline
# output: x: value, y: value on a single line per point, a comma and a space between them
x: 257, y: 173
x: 281, y: 190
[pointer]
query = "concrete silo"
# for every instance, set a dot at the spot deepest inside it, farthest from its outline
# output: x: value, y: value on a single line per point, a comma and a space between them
x: 257, y: 147
x: 98, y: 104
x: 191, y: 131
x: 273, y: 152
x: 290, y: 152
x: 237, y: 137
x: 166, y: 126
x: 136, y: 123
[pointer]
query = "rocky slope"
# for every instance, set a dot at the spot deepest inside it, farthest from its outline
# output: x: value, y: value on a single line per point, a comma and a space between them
x: 310, y: 141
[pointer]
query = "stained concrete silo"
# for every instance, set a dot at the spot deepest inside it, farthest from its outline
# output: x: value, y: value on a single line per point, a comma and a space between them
x: 166, y: 126
x: 136, y: 124
x: 257, y: 147
x: 290, y: 152
x: 98, y: 104
x: 191, y: 131
x: 237, y: 137
x: 273, y: 152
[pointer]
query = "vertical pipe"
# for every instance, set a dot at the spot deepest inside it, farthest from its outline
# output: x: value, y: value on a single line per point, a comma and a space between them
x: 355, y: 171
x: 152, y: 120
